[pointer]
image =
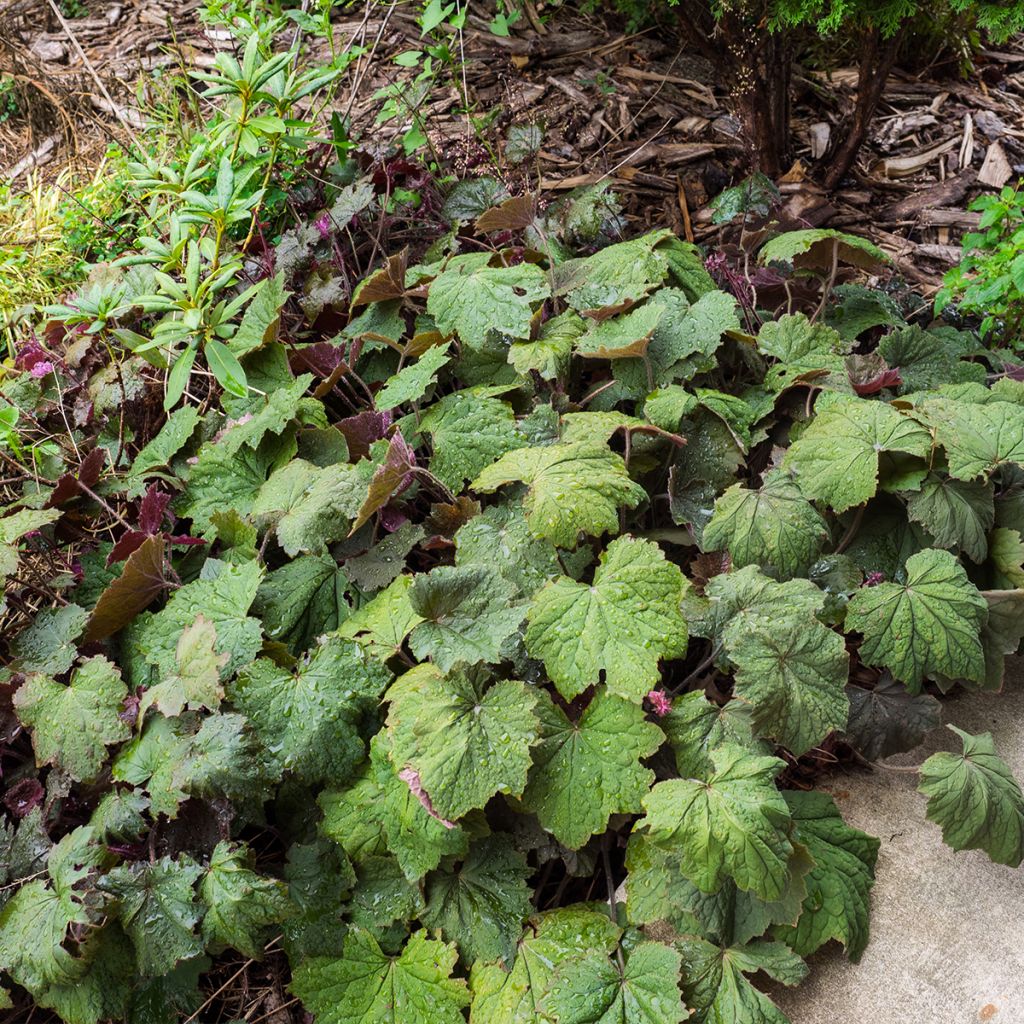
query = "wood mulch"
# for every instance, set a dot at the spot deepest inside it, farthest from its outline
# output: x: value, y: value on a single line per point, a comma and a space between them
x: 638, y: 109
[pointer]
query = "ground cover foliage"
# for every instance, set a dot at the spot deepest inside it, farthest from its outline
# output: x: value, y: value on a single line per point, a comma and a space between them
x: 463, y: 628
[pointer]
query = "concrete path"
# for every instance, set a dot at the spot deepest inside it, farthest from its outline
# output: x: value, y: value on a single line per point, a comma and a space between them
x: 947, y: 929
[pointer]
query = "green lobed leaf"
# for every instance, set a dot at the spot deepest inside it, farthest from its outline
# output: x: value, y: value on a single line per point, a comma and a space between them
x: 365, y: 986
x: 593, y: 989
x: 471, y: 298
x: 469, y: 432
x: 839, y: 883
x: 481, y: 901
x: 774, y: 527
x: 410, y: 384
x: 465, y: 612
x: 622, y: 625
x: 465, y: 740
x: 195, y: 683
x: 975, y: 799
x: 836, y: 459
x: 156, y: 905
x: 549, y: 353
x: 734, y: 825
x: 573, y: 488
x: 929, y: 625
x: 514, y: 995
x: 792, y: 670
x: 309, y: 721
x: 73, y: 724
x: 717, y: 988
x: 957, y: 514
x: 977, y: 438
x: 584, y: 771
x: 241, y: 906
x: 222, y: 596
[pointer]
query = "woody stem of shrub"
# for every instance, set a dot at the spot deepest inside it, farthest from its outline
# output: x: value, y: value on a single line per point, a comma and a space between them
x: 877, y: 58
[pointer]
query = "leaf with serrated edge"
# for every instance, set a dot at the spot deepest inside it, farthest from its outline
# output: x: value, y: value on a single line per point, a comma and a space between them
x: 957, y: 514
x: 195, y: 684
x: 309, y: 722
x: 573, y: 488
x: 481, y: 902
x: 773, y: 527
x: 734, y: 825
x: 471, y: 298
x: 241, y: 906
x: 716, y: 986
x: 469, y: 432
x: 623, y: 624
x: 466, y: 740
x: 410, y: 384
x: 977, y: 438
x: 976, y: 800
x: 584, y: 771
x: 839, y: 884
x: 223, y: 600
x: 514, y: 995
x: 593, y: 990
x: 929, y: 625
x: 73, y: 724
x: 365, y: 986
x: 156, y: 905
x: 466, y: 613
x: 793, y: 671
x: 836, y: 459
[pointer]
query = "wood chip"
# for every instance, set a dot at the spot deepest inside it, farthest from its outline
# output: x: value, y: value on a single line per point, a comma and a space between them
x: 820, y: 133
x: 904, y: 166
x: 996, y: 170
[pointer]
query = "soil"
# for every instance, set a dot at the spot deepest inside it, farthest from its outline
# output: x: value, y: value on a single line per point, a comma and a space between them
x: 639, y: 109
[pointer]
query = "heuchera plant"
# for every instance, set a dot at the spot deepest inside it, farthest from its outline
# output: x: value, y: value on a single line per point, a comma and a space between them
x: 509, y: 636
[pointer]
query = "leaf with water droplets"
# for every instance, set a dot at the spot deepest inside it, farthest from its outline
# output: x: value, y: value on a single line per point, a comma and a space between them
x: 717, y: 988
x: 366, y: 986
x: 196, y: 682
x: 792, y: 670
x: 928, y: 626
x: 837, y: 458
x: 594, y: 990
x: 573, y: 488
x: 513, y: 995
x: 382, y: 624
x: 72, y: 724
x: 310, y: 721
x: 471, y: 298
x: 734, y: 825
x: 975, y: 799
x: 774, y: 527
x: 977, y: 438
x: 480, y: 901
x: 584, y: 771
x: 467, y: 740
x: 466, y: 614
x: 222, y: 596
x: 469, y: 431
x: 241, y: 906
x: 622, y: 625
x: 839, y: 884
x: 156, y: 905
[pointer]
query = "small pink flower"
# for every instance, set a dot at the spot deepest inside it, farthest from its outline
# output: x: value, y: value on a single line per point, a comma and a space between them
x: 661, y: 703
x: 323, y: 225
x: 42, y: 368
x: 872, y: 579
